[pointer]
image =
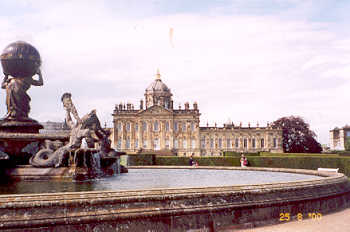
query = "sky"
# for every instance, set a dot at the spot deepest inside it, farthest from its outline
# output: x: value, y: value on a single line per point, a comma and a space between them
x: 249, y: 61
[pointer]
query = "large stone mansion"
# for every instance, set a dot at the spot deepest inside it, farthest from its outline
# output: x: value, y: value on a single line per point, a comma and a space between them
x: 156, y: 126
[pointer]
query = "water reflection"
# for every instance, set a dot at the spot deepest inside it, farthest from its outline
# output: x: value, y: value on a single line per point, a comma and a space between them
x: 154, y: 178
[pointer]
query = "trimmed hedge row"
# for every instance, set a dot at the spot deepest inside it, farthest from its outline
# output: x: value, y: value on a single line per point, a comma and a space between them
x: 296, y: 162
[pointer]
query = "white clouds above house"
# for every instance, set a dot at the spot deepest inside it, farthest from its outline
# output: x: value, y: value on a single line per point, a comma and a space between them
x: 238, y: 59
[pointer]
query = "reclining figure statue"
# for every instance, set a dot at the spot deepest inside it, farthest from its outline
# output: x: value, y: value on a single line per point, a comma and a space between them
x: 87, y: 127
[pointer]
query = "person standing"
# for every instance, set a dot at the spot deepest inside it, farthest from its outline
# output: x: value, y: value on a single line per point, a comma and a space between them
x: 243, y: 160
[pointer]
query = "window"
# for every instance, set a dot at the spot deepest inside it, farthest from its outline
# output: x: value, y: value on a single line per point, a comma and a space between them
x: 144, y: 126
x: 156, y: 144
x: 176, y: 143
x: 192, y: 126
x: 274, y: 142
x: 262, y: 143
x: 245, y: 143
x: 119, y: 126
x: 184, y: 143
x: 253, y: 143
x: 220, y: 143
x: 136, y: 127
x: 228, y: 143
x: 184, y: 126
x: 193, y: 143
x: 156, y: 126
x: 128, y: 126
x: 348, y: 134
x: 166, y: 126
x: 136, y: 143
x: 167, y: 146
x: 119, y: 145
x: 236, y: 143
x: 203, y: 142
x: 127, y: 143
x: 176, y: 126
x: 144, y: 144
x: 211, y: 143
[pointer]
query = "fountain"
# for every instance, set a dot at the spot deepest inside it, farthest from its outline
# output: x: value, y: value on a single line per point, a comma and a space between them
x: 30, y: 155
x: 27, y: 155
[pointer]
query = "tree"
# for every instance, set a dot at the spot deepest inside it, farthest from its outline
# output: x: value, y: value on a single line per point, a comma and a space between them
x: 297, y: 136
x: 347, y: 144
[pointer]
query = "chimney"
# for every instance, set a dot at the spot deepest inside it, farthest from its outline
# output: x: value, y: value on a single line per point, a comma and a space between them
x: 187, y: 106
x: 195, y: 106
x: 120, y: 106
x: 128, y: 106
x: 171, y: 104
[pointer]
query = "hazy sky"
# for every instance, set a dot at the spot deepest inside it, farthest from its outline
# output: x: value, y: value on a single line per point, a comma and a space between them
x: 244, y: 60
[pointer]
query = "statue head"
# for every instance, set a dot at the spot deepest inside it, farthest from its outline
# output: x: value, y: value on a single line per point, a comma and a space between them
x: 66, y: 100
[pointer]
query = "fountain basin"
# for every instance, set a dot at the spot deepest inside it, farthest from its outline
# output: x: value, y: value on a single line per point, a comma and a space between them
x: 177, y: 209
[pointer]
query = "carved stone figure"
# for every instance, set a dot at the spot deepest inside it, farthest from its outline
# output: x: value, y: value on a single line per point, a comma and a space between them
x: 17, y: 99
x: 87, y: 127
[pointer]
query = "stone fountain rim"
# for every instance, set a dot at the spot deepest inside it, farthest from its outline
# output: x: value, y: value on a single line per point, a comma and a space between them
x: 325, y: 178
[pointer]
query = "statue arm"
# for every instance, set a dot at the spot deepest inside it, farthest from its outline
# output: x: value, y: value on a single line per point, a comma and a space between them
x: 5, y: 81
x: 39, y: 82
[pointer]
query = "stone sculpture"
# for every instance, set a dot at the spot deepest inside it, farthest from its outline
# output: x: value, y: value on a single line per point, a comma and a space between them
x: 87, y: 127
x: 21, y: 61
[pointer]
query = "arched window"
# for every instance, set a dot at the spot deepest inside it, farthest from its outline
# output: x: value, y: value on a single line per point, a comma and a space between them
x: 144, y: 126
x: 203, y: 142
x: 127, y: 143
x: 166, y: 126
x: 274, y: 142
x: 228, y: 143
x: 167, y: 145
x: 176, y: 128
x: 156, y: 144
x: 156, y: 126
x: 176, y: 143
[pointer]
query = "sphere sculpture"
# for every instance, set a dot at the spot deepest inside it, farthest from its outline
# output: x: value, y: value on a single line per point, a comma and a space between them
x: 20, y: 59
x: 20, y: 62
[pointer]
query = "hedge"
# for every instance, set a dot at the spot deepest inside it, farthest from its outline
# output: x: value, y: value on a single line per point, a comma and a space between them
x: 296, y: 162
x: 232, y: 153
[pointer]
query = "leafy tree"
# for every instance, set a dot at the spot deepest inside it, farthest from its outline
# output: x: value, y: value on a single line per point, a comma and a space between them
x: 297, y: 136
x: 347, y: 144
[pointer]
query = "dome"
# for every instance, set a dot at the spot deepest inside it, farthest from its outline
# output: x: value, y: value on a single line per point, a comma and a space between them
x: 157, y: 86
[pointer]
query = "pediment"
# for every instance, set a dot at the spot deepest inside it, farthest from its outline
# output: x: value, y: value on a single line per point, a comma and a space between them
x: 156, y: 110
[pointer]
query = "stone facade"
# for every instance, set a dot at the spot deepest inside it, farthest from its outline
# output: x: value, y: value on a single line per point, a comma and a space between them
x: 160, y: 128
x: 338, y: 136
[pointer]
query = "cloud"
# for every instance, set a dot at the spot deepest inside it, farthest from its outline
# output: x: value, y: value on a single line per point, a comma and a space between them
x: 247, y: 67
